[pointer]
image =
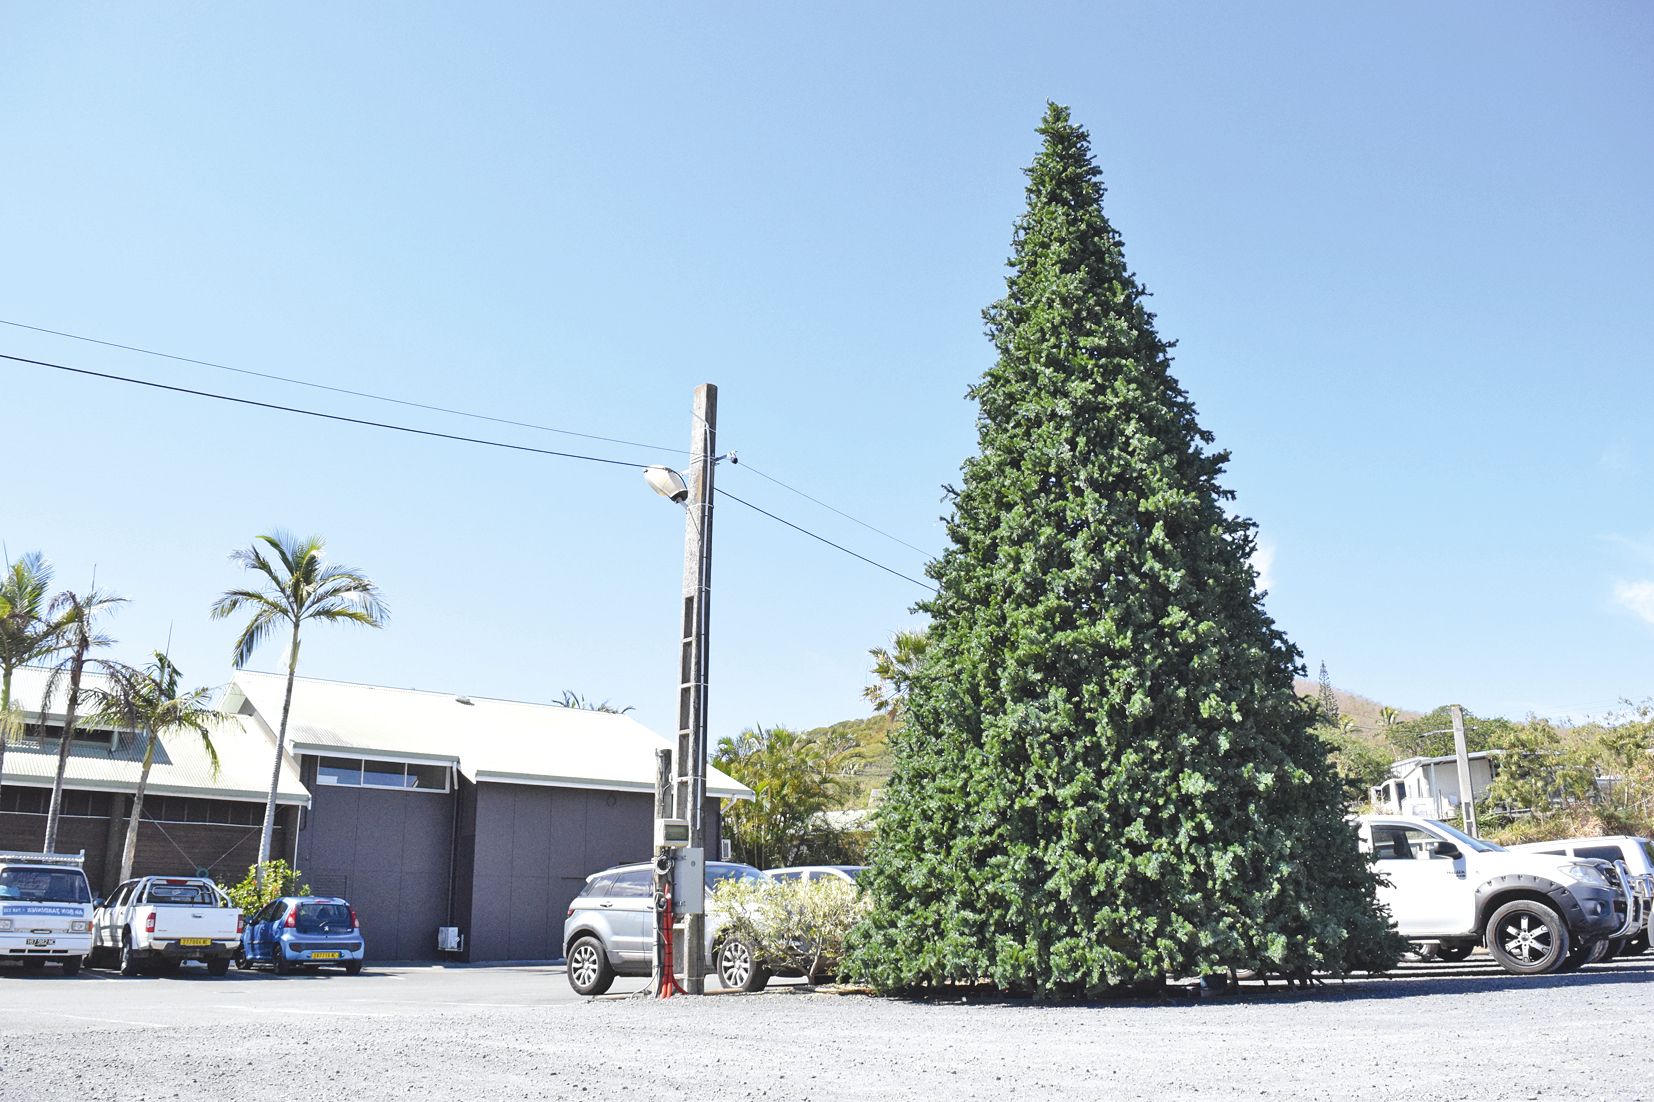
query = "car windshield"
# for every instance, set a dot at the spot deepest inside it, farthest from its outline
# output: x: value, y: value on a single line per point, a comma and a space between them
x: 44, y: 885
x: 719, y: 874
x: 1466, y: 840
x: 323, y: 918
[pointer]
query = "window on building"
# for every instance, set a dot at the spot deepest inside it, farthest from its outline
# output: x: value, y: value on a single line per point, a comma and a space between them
x: 100, y: 738
x: 184, y: 809
x: 36, y: 801
x: 372, y: 773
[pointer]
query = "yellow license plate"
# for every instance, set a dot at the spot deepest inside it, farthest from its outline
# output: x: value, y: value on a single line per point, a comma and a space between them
x: 324, y: 956
x: 195, y: 941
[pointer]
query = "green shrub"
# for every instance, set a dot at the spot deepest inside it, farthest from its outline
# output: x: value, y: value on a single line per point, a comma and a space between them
x: 279, y: 880
x: 793, y: 925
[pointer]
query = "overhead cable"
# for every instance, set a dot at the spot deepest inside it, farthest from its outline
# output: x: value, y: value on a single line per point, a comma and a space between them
x: 326, y: 416
x: 836, y: 546
x: 339, y: 389
x: 746, y: 466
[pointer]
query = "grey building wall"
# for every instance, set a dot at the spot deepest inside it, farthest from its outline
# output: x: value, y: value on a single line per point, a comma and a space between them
x: 526, y: 851
x: 386, y: 851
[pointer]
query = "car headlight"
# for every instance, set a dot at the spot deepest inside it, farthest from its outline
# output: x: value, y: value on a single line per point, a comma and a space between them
x: 80, y: 926
x: 1586, y: 874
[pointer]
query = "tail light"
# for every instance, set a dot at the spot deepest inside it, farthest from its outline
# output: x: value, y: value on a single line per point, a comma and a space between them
x: 240, y: 924
x: 354, y: 925
x: 292, y: 919
x: 149, y: 923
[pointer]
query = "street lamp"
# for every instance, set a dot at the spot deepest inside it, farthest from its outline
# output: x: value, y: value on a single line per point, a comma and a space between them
x: 667, y: 483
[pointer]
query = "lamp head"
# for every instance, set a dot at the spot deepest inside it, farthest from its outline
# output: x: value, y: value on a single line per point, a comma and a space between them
x: 667, y: 483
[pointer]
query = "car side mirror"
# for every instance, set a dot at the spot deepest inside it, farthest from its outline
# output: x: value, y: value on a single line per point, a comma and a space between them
x: 98, y: 902
x: 1448, y: 850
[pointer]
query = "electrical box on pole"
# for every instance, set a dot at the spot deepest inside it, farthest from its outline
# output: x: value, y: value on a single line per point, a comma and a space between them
x: 689, y: 881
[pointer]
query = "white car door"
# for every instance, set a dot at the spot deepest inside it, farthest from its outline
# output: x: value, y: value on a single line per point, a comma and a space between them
x: 1428, y: 895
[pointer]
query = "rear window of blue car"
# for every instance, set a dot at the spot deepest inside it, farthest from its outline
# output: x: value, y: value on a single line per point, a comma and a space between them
x: 316, y: 918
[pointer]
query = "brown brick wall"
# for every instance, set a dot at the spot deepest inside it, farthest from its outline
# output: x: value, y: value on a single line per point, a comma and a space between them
x: 163, y: 848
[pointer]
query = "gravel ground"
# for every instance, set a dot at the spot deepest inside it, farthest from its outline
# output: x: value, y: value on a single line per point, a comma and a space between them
x: 1464, y: 1031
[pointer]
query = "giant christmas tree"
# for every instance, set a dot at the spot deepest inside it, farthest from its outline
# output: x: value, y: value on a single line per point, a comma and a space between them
x: 1105, y: 774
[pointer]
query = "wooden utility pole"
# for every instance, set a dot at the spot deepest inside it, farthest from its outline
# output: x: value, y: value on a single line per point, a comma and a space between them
x: 1467, y: 794
x: 697, y: 583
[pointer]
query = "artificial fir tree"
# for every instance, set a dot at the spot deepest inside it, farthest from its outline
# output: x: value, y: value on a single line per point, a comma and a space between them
x: 1105, y: 774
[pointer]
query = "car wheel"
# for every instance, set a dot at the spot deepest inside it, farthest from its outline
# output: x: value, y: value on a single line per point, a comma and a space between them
x: 353, y: 968
x: 738, y: 967
x: 218, y: 966
x: 1455, y: 951
x: 1582, y: 953
x: 589, y: 970
x: 1527, y: 938
x: 279, y: 963
x: 130, y: 965
x: 1616, y: 948
x: 241, y: 961
x: 1637, y: 945
x: 71, y: 966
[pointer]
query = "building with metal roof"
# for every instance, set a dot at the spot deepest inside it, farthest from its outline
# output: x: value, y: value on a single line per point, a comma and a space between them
x: 195, y: 820
x: 432, y: 810
x: 426, y: 810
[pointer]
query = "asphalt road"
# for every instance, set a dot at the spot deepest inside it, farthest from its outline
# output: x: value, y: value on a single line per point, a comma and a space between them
x: 1459, y: 1031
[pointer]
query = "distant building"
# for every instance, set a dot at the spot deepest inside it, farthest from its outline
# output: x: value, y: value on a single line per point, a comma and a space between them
x: 1430, y: 786
x: 424, y: 809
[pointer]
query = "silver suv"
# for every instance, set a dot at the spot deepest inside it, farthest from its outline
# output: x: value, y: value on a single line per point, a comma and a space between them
x: 610, y: 929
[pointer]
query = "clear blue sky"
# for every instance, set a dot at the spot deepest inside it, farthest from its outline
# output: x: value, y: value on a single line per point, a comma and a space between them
x: 1405, y: 253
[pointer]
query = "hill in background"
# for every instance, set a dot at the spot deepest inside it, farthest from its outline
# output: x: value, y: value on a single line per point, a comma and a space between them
x: 871, y: 735
x: 1365, y: 711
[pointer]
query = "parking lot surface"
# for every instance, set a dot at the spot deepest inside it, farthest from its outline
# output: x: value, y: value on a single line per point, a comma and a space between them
x: 1459, y: 1031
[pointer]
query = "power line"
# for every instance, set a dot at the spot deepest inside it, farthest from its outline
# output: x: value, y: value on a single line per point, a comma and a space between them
x: 339, y: 389
x: 327, y: 416
x: 88, y: 373
x: 793, y: 489
x: 836, y: 546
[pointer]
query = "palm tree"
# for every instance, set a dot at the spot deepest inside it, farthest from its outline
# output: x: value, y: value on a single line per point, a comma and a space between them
x: 148, y: 700
x: 574, y: 700
x: 25, y: 634
x: 73, y: 618
x: 299, y: 586
x: 1388, y: 716
x: 894, y: 670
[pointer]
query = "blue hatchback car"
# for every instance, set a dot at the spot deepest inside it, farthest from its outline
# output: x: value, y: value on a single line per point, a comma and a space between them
x: 304, y: 931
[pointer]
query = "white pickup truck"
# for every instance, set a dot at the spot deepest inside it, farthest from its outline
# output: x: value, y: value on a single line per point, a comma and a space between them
x: 162, y: 921
x: 1535, y: 912
x: 45, y: 910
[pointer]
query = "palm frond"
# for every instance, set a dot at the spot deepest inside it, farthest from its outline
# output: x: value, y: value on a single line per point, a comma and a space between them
x: 257, y: 630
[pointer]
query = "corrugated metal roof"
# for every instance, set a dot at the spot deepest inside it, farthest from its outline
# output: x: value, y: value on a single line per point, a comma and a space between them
x: 503, y: 741
x: 181, y: 767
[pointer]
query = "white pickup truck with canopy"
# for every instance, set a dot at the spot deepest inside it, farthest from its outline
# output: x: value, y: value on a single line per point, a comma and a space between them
x: 161, y: 921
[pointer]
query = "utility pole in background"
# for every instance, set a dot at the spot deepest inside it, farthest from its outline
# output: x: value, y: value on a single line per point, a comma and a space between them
x: 1467, y: 795
x: 697, y: 584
